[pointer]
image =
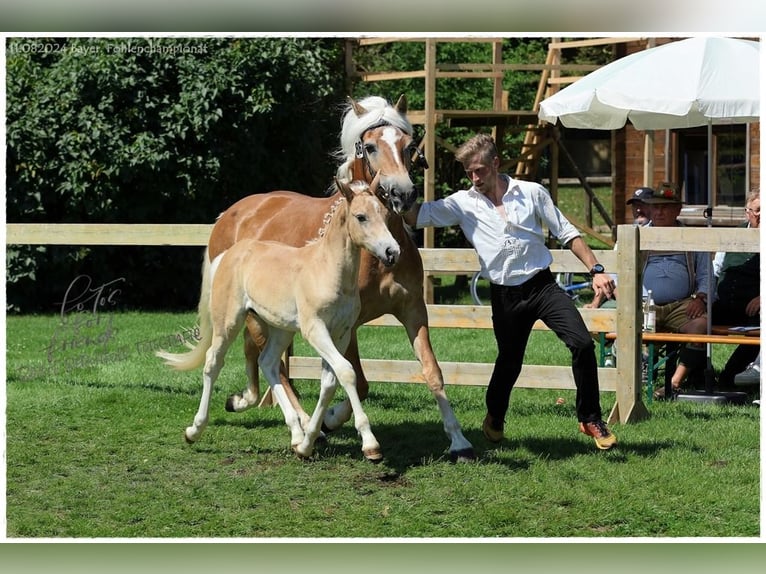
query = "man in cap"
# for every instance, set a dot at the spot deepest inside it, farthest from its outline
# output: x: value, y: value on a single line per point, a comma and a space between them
x: 638, y: 204
x: 679, y: 283
x: 640, y: 209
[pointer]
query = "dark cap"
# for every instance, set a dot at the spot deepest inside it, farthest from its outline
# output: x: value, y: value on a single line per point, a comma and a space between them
x: 641, y: 194
x: 667, y: 193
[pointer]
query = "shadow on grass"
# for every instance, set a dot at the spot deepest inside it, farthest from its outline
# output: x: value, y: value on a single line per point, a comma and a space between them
x: 409, y: 445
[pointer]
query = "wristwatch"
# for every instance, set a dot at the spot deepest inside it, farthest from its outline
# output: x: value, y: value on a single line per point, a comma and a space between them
x: 597, y: 268
x: 701, y: 296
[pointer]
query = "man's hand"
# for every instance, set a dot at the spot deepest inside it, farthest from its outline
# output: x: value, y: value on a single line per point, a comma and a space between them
x: 696, y: 308
x: 603, y: 285
x: 753, y: 308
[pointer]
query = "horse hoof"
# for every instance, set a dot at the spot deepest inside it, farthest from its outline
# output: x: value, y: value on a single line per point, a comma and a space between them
x: 464, y: 455
x: 373, y: 455
x: 305, y: 455
x: 236, y: 403
x: 188, y: 439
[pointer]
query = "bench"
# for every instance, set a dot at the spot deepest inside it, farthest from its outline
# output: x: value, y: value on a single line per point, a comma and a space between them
x: 720, y: 335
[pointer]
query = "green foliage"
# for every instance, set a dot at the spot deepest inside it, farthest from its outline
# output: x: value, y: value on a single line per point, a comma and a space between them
x: 159, y: 130
x: 166, y: 130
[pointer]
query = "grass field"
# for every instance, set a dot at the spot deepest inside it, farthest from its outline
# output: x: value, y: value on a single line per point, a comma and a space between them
x: 95, y: 449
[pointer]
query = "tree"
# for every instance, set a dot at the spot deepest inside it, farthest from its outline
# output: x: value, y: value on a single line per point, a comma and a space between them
x: 157, y: 130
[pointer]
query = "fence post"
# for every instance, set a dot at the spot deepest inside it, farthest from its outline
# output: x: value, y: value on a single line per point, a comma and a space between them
x: 629, y: 406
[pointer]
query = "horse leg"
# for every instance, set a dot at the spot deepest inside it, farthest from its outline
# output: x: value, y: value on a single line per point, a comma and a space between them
x: 269, y: 360
x: 214, y: 360
x: 345, y: 375
x: 254, y: 341
x: 347, y: 379
x: 415, y: 321
x: 251, y: 396
x: 339, y: 414
x: 327, y: 385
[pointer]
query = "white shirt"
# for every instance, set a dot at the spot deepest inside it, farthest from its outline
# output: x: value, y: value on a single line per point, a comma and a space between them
x: 512, y: 250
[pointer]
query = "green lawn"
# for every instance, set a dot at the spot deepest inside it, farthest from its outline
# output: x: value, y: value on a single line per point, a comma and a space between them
x: 95, y: 449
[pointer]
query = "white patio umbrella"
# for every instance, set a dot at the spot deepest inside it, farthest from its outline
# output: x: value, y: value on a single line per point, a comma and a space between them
x: 683, y: 84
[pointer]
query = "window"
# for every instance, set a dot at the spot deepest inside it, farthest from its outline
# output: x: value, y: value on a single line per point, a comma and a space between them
x: 730, y: 154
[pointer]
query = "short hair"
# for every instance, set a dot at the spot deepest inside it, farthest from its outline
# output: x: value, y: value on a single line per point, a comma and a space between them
x: 752, y: 195
x: 482, y: 144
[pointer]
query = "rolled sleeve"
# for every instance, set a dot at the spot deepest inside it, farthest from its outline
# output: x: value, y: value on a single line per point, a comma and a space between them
x: 438, y: 213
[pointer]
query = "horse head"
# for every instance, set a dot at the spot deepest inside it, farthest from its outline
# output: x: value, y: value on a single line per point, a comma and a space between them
x: 377, y: 137
x: 366, y: 220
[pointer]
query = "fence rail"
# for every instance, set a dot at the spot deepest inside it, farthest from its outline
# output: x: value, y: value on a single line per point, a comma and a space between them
x: 107, y: 234
x: 624, y: 320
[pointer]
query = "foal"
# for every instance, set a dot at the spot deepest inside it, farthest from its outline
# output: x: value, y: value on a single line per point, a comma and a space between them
x: 375, y: 137
x: 311, y: 289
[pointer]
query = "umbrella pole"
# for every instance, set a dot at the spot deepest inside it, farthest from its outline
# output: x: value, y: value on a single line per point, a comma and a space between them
x: 709, y: 371
x: 709, y: 394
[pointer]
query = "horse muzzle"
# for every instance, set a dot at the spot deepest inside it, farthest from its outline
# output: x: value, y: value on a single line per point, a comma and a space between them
x: 391, y: 256
x: 401, y: 200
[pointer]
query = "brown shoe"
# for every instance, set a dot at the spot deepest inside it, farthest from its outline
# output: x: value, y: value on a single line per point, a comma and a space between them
x: 600, y: 433
x: 492, y: 432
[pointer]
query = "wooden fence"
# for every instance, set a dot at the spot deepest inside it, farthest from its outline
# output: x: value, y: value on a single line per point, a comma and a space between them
x: 625, y: 320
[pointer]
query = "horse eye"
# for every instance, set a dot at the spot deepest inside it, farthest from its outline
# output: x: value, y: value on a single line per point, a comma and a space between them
x: 369, y: 148
x: 361, y: 218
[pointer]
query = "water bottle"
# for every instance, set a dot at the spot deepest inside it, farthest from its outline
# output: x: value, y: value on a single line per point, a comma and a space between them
x: 650, y: 313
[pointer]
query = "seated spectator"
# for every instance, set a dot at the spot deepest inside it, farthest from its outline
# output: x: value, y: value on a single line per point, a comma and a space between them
x: 640, y: 210
x: 637, y: 202
x: 738, y: 298
x: 679, y: 283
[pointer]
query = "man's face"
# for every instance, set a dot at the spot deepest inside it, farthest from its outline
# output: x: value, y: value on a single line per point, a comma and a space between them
x: 483, y: 175
x: 664, y: 214
x: 753, y: 212
x: 640, y: 212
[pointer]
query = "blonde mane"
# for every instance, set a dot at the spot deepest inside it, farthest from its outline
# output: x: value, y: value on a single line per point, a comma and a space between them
x: 357, y: 186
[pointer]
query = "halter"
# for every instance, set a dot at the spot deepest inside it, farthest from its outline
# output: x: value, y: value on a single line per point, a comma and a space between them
x: 362, y: 161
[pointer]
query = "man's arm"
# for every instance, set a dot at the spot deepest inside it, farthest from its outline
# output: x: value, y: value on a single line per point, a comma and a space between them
x: 603, y: 285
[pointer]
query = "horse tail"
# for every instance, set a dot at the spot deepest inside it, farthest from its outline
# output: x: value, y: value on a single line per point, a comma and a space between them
x: 195, y: 357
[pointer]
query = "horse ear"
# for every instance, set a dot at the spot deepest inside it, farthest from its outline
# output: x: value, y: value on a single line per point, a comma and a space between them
x: 345, y: 189
x: 358, y: 110
x: 401, y: 105
x: 374, y: 183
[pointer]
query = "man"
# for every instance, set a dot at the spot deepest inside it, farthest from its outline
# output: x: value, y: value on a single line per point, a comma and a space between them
x: 503, y: 219
x: 679, y: 282
x: 640, y: 211
x: 738, y: 300
x: 638, y: 205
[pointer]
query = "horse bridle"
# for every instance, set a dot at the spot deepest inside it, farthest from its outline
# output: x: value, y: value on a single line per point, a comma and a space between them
x: 362, y: 161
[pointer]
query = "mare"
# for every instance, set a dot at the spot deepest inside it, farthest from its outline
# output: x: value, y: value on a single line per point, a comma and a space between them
x: 375, y: 137
x: 284, y: 289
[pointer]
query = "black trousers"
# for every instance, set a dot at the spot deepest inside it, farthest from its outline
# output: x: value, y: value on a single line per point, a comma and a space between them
x: 514, y: 312
x: 733, y: 313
